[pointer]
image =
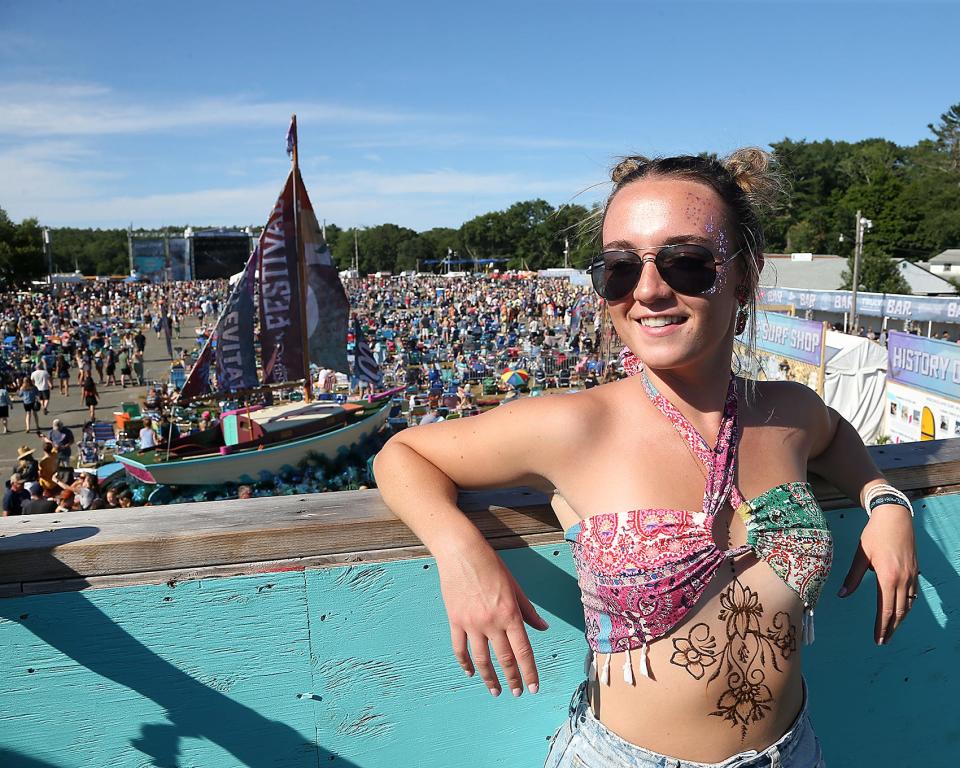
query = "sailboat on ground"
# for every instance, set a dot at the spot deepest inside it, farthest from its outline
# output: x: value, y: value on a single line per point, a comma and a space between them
x: 290, y: 297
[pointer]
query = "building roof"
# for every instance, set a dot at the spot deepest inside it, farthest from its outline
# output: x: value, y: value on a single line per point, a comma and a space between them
x: 810, y: 271
x: 825, y: 272
x: 923, y: 281
x: 949, y: 256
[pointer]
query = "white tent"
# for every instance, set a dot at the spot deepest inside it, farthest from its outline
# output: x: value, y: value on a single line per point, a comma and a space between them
x: 855, y: 382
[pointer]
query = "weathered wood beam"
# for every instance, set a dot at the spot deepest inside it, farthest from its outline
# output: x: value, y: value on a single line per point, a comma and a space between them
x: 188, y: 541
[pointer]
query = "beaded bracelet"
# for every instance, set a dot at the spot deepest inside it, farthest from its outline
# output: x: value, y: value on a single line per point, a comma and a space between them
x: 885, y: 494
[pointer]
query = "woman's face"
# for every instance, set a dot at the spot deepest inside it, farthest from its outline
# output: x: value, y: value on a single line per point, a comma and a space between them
x: 650, y: 213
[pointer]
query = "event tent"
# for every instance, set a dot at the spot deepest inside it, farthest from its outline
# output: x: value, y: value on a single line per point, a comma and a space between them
x: 855, y: 382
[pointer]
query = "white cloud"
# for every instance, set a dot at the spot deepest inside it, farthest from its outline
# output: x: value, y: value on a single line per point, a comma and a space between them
x: 418, y: 200
x: 41, y: 109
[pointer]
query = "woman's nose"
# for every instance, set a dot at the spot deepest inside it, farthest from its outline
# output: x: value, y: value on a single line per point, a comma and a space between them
x: 650, y: 286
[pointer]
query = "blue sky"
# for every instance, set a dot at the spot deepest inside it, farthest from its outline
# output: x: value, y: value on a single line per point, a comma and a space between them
x: 425, y: 113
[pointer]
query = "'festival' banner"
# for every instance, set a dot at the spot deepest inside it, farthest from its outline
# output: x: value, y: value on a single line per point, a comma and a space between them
x: 280, y: 321
x: 236, y: 361
x: 198, y: 382
x: 328, y: 308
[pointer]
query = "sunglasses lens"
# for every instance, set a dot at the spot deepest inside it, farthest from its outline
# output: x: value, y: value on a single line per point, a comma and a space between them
x: 688, y: 269
x: 614, y: 274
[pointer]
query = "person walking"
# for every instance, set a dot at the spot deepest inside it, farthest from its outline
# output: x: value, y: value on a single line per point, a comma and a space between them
x: 30, y: 398
x: 4, y: 405
x: 42, y: 381
x: 62, y: 370
x: 90, y: 396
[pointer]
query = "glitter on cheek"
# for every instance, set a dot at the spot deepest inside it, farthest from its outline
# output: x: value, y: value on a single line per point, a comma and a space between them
x: 720, y: 282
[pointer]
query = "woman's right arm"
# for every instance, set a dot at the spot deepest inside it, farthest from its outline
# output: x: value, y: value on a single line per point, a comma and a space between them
x: 419, y: 472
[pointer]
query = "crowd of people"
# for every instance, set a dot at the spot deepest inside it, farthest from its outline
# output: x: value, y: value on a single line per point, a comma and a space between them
x: 91, y: 336
x: 451, y: 334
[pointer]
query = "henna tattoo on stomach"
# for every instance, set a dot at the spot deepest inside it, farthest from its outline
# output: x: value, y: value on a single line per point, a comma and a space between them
x: 742, y: 658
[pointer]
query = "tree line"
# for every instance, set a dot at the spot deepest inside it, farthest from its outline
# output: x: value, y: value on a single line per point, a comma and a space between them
x: 911, y: 194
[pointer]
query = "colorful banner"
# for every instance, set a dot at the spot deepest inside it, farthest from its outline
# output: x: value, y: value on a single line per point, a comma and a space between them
x: 942, y: 309
x: 328, y: 308
x: 198, y: 382
x: 790, y: 337
x: 929, y: 364
x: 913, y: 415
x: 236, y: 362
x: 280, y: 320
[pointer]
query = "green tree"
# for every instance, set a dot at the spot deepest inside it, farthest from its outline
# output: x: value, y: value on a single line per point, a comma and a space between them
x: 947, y: 133
x: 878, y: 273
x: 21, y: 251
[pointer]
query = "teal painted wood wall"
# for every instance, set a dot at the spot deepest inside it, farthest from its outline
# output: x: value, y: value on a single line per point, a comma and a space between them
x: 351, y: 666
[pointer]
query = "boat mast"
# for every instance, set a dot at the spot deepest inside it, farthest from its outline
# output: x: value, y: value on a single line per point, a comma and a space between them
x: 301, y: 268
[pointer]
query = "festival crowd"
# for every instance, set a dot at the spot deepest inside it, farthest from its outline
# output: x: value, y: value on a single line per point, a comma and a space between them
x: 91, y: 336
x: 439, y: 337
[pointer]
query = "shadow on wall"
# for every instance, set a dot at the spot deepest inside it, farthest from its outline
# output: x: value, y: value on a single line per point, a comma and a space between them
x: 888, y: 705
x: 190, y: 694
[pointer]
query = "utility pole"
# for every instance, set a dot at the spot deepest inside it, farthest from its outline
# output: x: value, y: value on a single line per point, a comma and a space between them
x: 862, y: 224
x: 356, y: 253
x: 566, y: 253
x: 49, y: 253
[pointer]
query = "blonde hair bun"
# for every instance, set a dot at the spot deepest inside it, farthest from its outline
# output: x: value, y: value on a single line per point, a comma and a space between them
x: 757, y: 173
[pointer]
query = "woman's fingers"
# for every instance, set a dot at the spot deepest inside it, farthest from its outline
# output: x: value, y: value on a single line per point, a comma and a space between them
x: 509, y: 663
x: 458, y: 639
x: 481, y: 660
x: 524, y: 654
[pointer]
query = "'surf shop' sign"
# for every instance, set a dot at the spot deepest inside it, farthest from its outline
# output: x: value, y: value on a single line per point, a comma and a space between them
x: 929, y: 364
x: 790, y: 337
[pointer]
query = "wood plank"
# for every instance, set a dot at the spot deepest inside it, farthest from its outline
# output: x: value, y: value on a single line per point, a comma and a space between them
x: 107, y: 547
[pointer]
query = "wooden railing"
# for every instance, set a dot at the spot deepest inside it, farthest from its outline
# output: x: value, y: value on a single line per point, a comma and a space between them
x: 154, y: 544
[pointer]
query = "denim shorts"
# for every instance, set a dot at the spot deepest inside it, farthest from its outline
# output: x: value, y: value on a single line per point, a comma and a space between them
x: 584, y: 742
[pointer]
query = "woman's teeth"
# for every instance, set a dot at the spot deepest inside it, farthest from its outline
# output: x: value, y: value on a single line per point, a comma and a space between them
x: 659, y: 322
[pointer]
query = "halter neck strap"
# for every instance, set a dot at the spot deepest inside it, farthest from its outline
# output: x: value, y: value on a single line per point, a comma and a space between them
x: 719, y: 460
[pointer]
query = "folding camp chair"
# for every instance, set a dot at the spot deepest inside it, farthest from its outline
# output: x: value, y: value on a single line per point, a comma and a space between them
x: 178, y: 377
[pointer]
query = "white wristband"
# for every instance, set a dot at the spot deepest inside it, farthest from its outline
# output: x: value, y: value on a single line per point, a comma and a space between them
x: 885, y: 489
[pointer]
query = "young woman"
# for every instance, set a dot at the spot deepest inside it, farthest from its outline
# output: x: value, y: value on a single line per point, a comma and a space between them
x: 62, y: 370
x: 30, y: 398
x: 90, y: 396
x: 693, y: 620
x: 4, y: 406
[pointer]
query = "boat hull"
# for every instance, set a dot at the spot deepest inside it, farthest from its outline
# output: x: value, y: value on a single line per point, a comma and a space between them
x: 251, y: 466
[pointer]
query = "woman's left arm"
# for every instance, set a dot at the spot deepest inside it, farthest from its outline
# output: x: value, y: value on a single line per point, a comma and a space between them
x: 887, y: 544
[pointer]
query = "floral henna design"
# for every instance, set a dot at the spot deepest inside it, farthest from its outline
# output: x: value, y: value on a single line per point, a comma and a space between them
x: 747, y: 698
x: 695, y: 651
x: 783, y: 634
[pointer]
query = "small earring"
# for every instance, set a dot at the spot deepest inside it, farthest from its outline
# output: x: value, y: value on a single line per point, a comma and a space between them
x: 742, y: 313
x: 741, y: 325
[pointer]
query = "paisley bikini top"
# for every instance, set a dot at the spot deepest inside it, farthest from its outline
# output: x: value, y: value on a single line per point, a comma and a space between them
x: 641, y: 571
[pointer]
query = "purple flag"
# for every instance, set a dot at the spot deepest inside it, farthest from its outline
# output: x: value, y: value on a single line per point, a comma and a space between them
x: 198, y: 382
x: 235, y: 356
x: 281, y: 345
x: 328, y: 308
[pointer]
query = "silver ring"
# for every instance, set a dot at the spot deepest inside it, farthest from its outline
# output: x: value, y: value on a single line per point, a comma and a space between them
x: 912, y: 597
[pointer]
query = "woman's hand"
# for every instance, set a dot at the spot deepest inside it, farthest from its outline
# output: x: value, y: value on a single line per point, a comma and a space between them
x: 486, y: 606
x: 888, y: 547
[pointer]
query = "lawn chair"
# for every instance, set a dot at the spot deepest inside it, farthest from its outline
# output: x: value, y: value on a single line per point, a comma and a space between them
x: 489, y: 386
x: 178, y: 377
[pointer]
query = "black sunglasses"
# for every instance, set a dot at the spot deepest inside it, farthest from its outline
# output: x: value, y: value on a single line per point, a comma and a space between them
x: 687, y: 268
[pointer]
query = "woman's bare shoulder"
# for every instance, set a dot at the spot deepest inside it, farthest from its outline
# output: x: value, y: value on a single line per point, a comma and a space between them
x: 791, y: 405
